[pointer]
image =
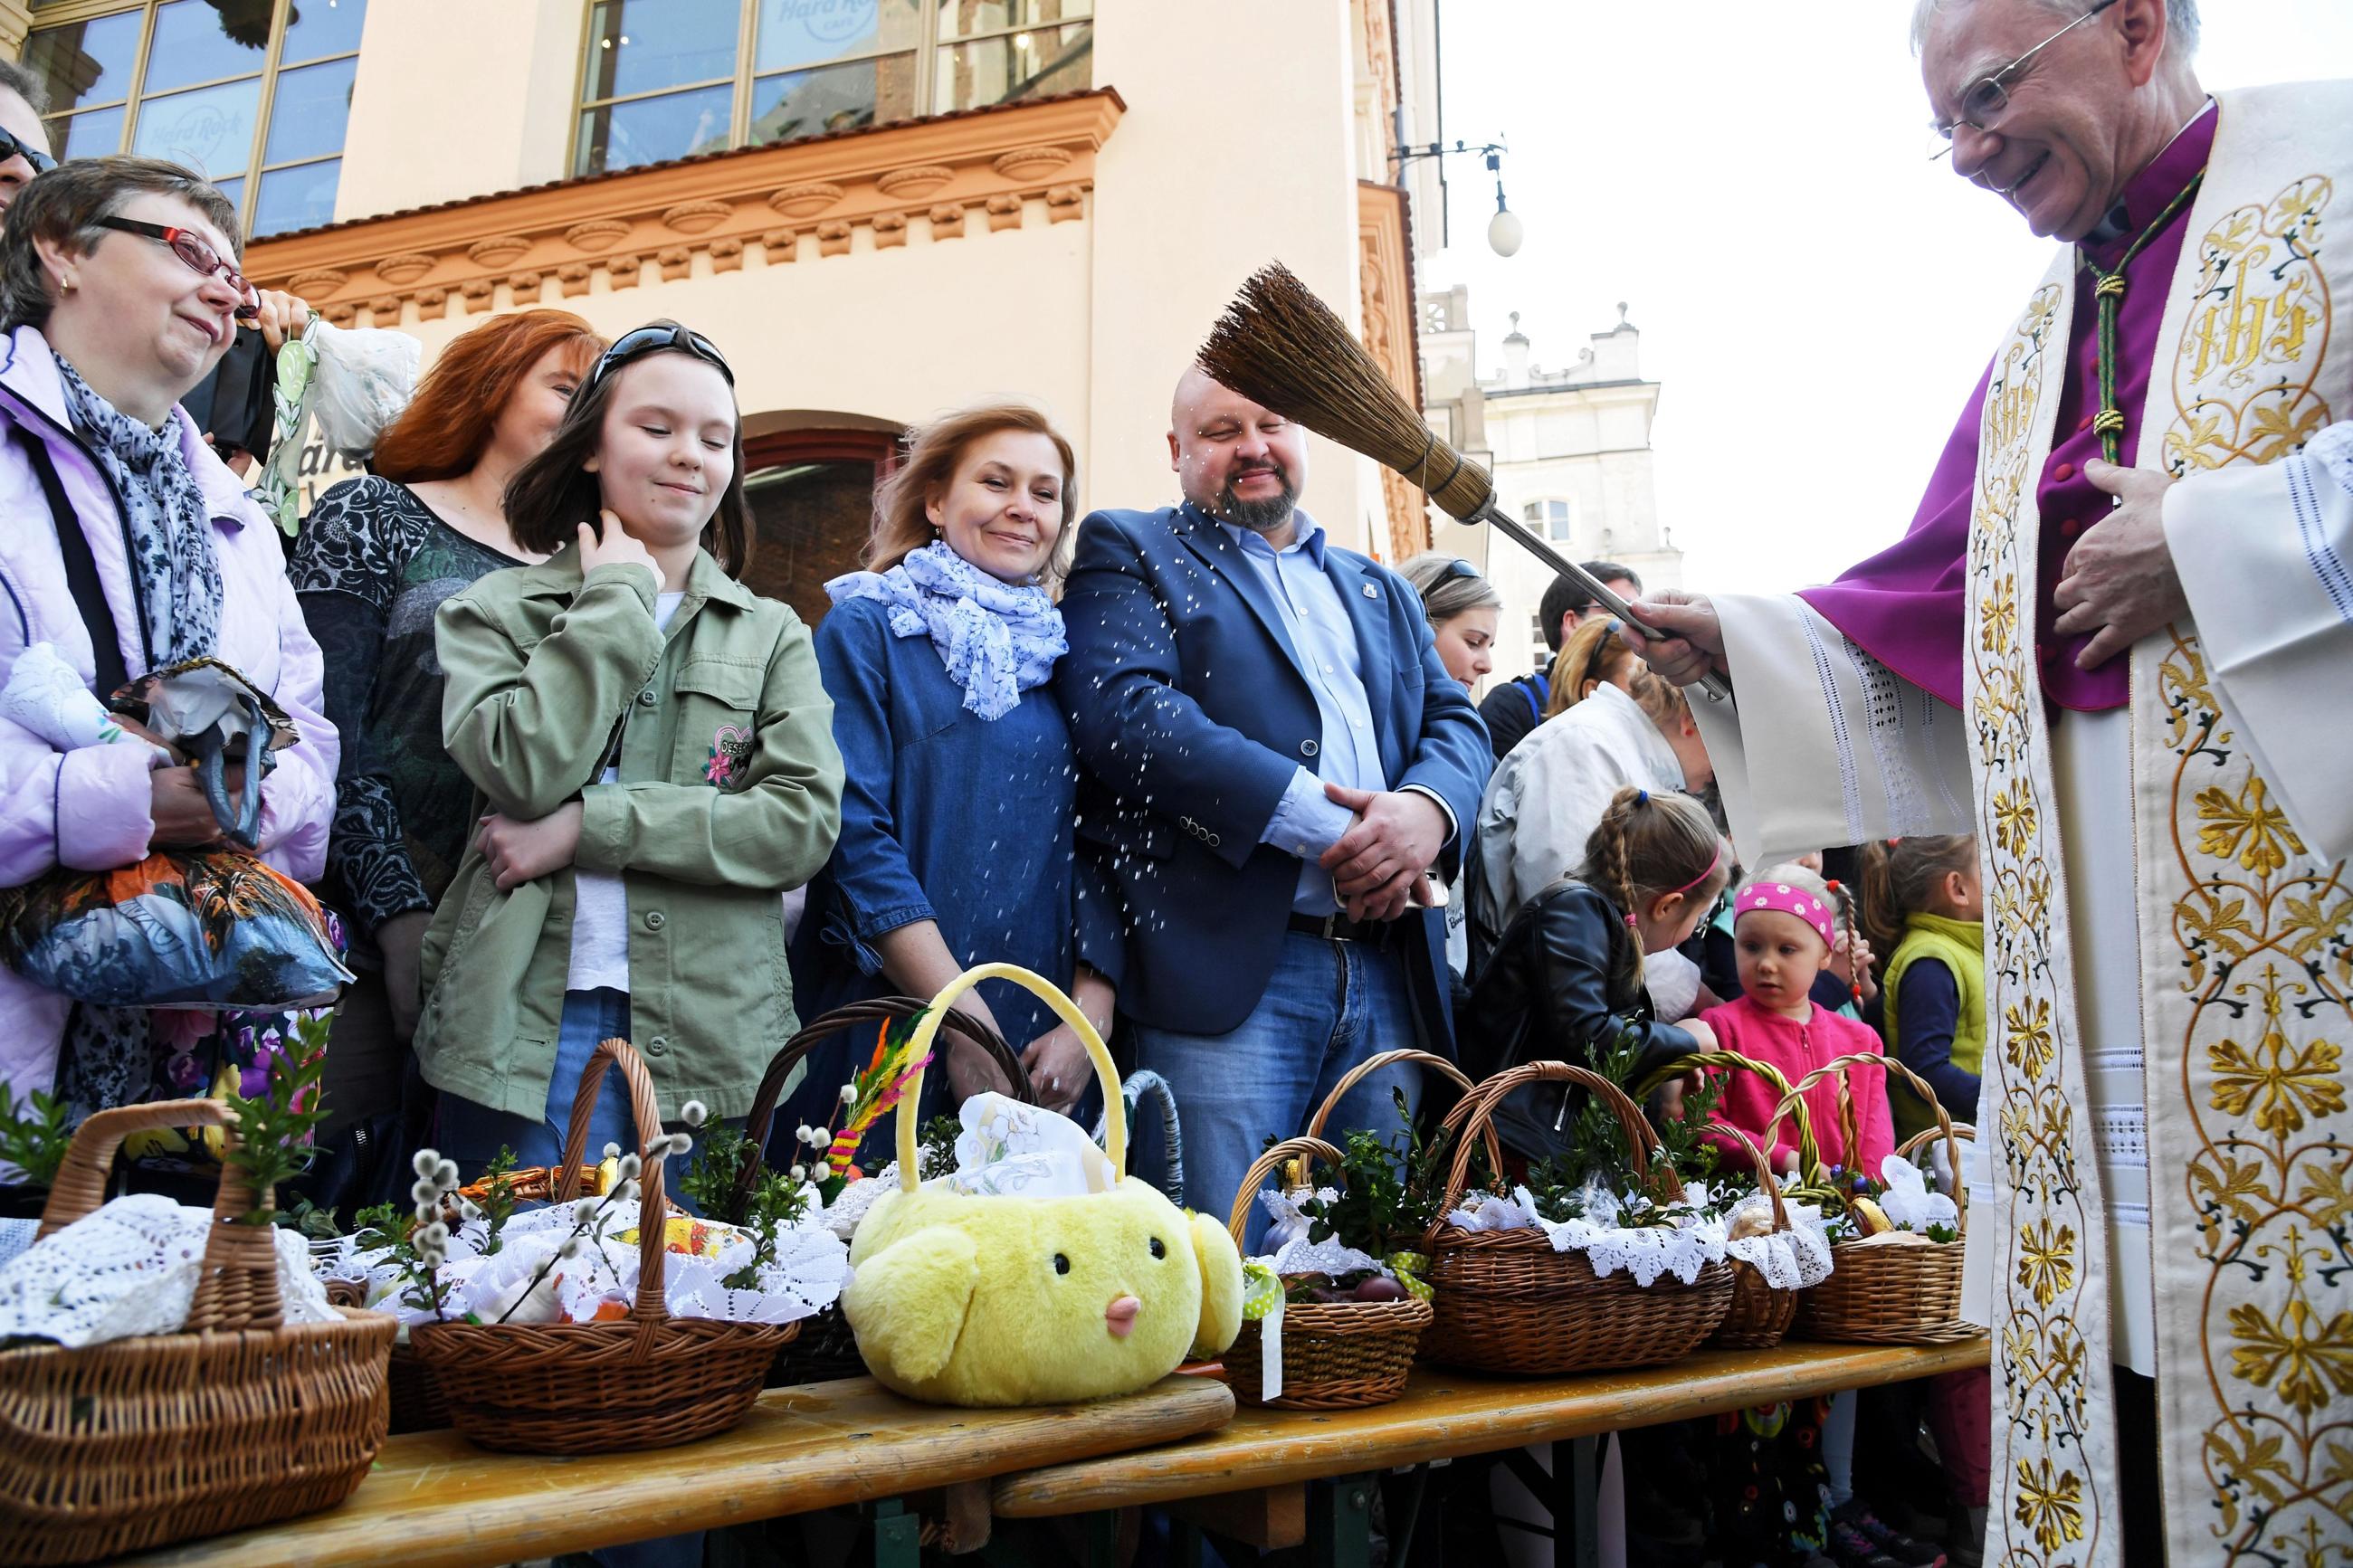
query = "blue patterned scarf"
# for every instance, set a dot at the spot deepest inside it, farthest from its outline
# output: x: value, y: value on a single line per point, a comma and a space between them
x: 174, y: 567
x: 996, y: 638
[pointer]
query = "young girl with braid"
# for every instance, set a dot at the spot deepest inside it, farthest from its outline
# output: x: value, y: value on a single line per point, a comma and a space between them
x: 1566, y: 977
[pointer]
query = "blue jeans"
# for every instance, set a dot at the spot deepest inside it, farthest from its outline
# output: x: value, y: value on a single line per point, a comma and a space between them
x: 1328, y: 1006
x: 472, y: 1134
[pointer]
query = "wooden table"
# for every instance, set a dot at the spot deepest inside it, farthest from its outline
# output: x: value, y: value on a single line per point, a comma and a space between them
x: 435, y: 1500
x: 1256, y: 1473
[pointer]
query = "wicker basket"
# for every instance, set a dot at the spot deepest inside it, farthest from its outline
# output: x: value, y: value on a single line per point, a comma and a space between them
x: 1760, y: 1313
x: 416, y: 1402
x: 532, y: 1184
x: 825, y: 1350
x: 1508, y: 1303
x: 236, y: 1421
x: 648, y: 1380
x: 1337, y: 1355
x: 1879, y: 1294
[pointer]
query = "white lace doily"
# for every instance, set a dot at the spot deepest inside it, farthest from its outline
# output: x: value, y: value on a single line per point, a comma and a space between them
x: 1643, y: 1251
x: 1789, y: 1260
x: 1301, y: 1256
x: 516, y: 1284
x: 850, y: 1205
x: 131, y: 1268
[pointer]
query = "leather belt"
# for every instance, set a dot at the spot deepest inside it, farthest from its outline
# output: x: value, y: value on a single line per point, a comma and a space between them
x: 1340, y: 927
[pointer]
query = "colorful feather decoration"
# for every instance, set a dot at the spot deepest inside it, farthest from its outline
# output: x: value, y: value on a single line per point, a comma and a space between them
x: 875, y: 1089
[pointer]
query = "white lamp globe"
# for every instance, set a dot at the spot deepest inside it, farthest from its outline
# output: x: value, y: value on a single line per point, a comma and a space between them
x: 1504, y: 232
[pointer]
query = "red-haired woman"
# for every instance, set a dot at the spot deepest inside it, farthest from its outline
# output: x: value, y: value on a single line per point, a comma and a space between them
x: 376, y: 559
x: 958, y: 805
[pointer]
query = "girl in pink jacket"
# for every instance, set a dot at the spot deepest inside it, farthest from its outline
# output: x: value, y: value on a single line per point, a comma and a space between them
x: 1783, y: 929
x: 1782, y: 933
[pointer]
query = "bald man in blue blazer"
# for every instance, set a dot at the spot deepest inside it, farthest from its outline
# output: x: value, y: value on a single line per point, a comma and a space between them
x: 1276, y: 759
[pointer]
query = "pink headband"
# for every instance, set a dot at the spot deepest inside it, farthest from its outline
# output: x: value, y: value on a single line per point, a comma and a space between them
x: 1713, y: 862
x: 1787, y: 900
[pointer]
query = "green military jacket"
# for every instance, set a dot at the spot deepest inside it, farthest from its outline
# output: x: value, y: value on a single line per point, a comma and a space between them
x: 730, y: 793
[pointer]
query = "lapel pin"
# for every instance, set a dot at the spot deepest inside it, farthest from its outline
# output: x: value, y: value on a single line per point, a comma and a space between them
x: 1371, y: 592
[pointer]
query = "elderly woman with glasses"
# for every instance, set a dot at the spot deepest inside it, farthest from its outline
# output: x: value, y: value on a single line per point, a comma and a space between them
x: 130, y: 548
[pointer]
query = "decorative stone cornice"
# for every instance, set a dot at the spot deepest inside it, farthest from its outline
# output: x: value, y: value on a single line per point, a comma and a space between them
x: 1390, y: 325
x: 918, y: 182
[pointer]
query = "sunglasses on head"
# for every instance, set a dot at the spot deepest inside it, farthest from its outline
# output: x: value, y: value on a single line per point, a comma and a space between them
x: 1458, y: 567
x: 10, y: 147
x: 644, y: 340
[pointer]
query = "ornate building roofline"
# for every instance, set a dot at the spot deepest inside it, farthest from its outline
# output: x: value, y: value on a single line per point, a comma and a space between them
x: 997, y: 165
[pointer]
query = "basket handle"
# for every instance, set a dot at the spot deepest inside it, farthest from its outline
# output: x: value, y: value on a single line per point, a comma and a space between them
x: 1114, y: 1107
x: 1265, y: 1165
x: 652, y: 1308
x: 238, y: 1288
x: 1764, y: 1182
x: 1729, y: 1061
x: 883, y: 1010
x: 1809, y: 1159
x: 1373, y: 1064
x: 1955, y: 1134
x: 1142, y: 1083
x: 1476, y: 1109
x: 1808, y: 1153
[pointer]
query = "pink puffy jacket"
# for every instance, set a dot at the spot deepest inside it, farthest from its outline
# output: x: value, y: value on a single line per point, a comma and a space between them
x: 89, y: 809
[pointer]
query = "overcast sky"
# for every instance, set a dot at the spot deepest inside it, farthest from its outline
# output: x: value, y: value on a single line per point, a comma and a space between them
x: 1816, y: 296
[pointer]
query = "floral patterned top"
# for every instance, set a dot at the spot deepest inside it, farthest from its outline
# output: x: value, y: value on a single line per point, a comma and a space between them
x: 371, y: 566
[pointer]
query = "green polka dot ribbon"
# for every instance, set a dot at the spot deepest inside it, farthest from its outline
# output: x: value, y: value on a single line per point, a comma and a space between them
x: 1409, y: 1268
x: 1261, y: 1290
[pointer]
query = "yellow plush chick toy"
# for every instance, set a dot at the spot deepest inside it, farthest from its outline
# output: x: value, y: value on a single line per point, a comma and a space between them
x: 993, y: 1301
x: 969, y: 1300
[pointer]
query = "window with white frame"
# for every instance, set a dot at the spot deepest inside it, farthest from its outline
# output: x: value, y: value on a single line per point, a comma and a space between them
x: 1552, y: 517
x: 252, y: 94
x: 667, y: 79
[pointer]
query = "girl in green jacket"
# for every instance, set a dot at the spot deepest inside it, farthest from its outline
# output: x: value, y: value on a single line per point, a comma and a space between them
x: 655, y: 761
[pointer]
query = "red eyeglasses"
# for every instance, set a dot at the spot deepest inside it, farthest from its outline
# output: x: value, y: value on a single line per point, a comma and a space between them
x: 190, y: 247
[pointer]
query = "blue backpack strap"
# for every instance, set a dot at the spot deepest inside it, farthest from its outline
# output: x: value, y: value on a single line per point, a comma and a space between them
x: 1537, y: 697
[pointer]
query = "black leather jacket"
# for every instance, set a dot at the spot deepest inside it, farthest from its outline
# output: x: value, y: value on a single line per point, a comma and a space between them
x: 1560, y: 979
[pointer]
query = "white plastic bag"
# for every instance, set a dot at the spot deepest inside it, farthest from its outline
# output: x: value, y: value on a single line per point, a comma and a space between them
x: 365, y: 379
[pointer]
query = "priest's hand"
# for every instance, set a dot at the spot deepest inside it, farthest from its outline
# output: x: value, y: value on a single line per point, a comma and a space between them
x: 1693, y: 644
x: 2118, y: 582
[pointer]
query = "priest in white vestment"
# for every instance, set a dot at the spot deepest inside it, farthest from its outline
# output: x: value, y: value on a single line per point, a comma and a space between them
x: 2116, y: 643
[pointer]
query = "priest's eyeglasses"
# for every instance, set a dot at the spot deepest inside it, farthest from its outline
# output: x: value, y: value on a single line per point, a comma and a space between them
x: 1987, y: 96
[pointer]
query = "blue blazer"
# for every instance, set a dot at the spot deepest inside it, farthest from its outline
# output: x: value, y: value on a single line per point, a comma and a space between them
x: 1190, y: 717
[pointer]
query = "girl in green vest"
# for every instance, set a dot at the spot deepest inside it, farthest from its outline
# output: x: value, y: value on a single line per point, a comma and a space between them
x: 1923, y: 906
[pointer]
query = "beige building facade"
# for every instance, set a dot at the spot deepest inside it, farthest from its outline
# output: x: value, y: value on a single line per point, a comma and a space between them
x: 880, y: 209
x: 1570, y: 450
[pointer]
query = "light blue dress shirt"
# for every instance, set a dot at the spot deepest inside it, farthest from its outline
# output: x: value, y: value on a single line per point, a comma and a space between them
x: 1307, y: 821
